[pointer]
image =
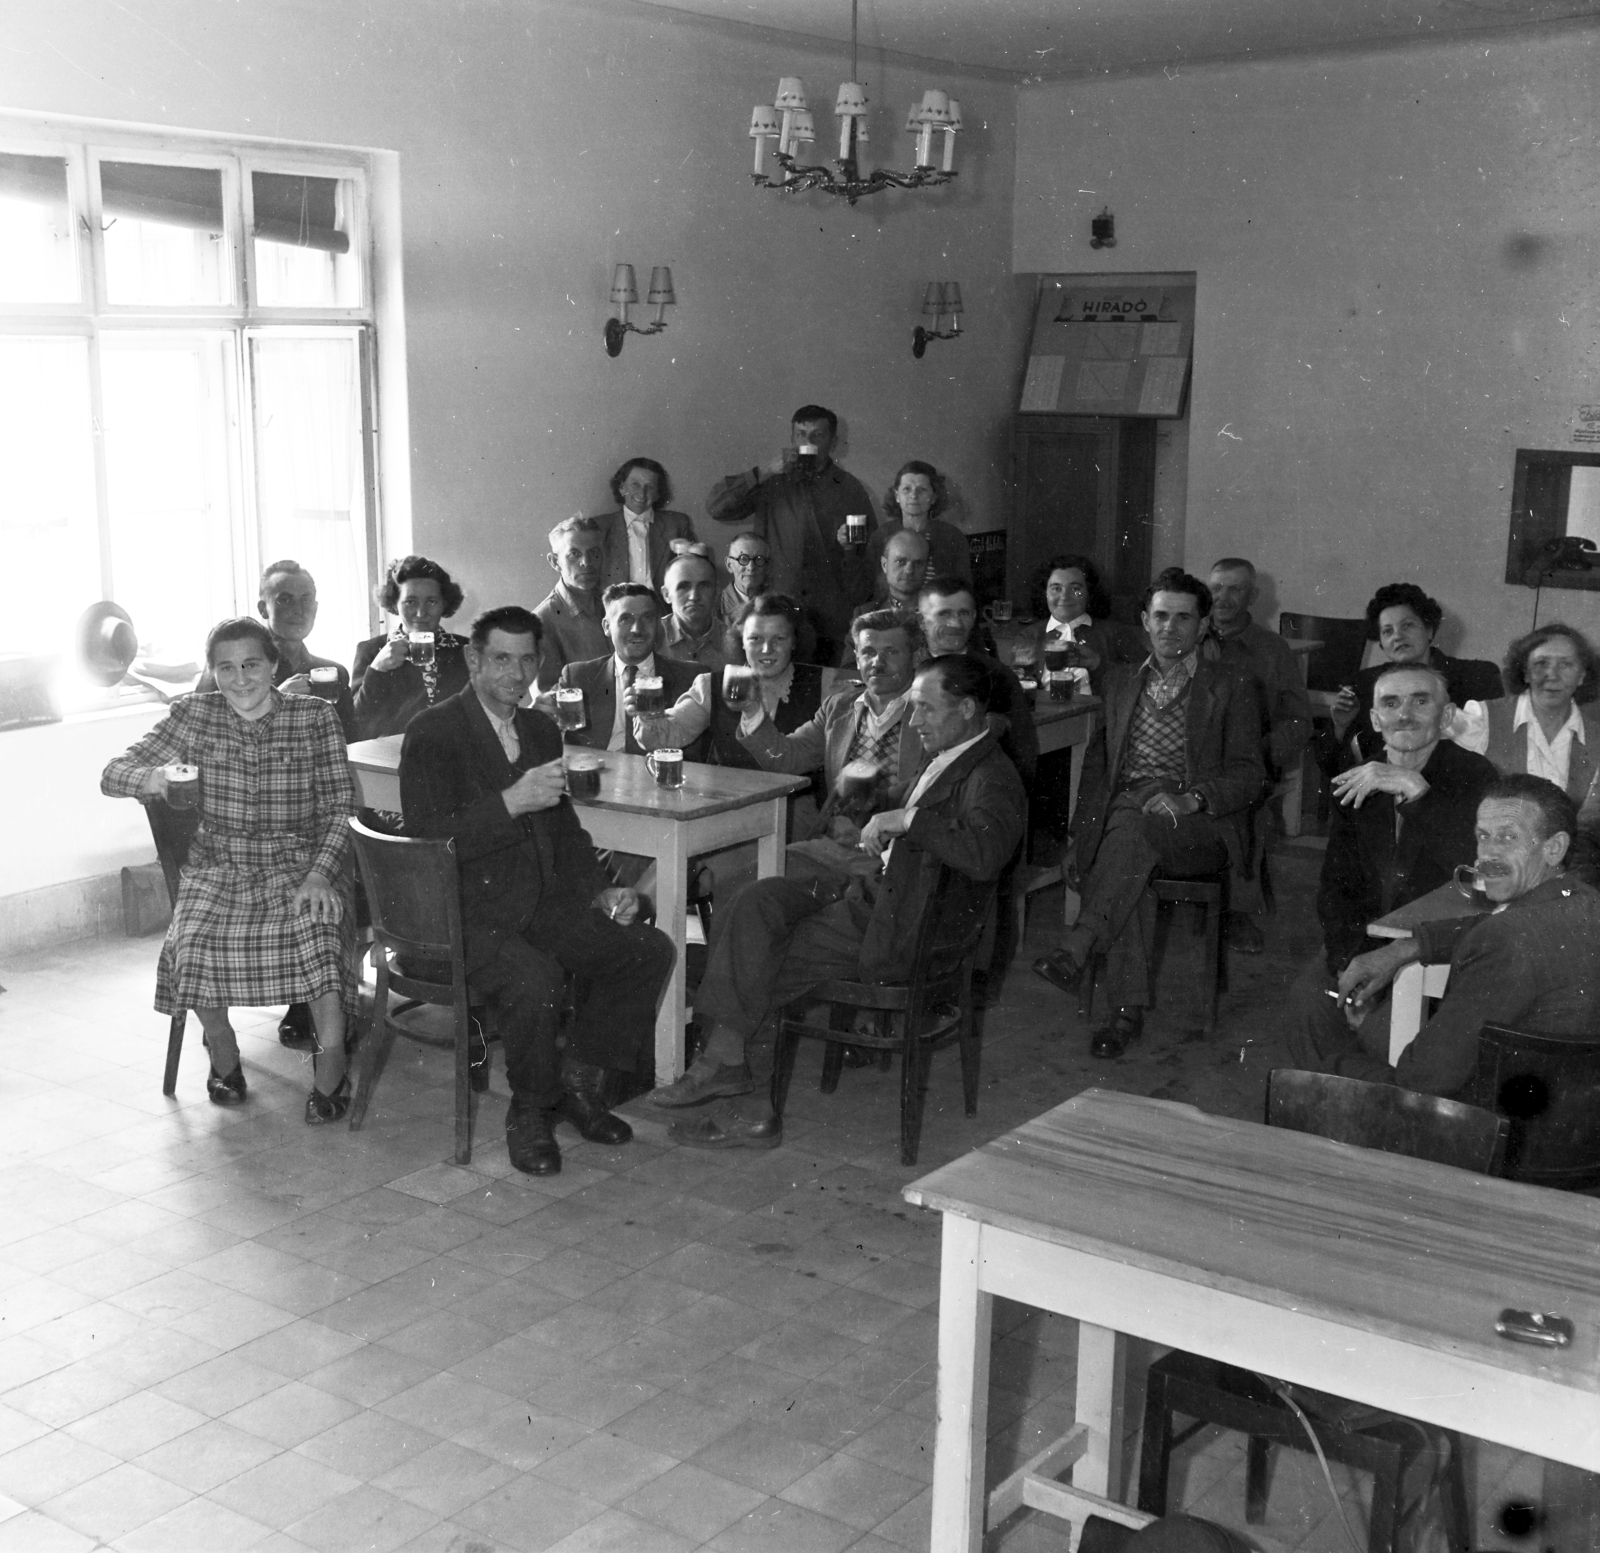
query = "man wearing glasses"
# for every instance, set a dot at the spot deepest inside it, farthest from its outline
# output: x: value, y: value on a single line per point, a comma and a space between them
x: 749, y: 557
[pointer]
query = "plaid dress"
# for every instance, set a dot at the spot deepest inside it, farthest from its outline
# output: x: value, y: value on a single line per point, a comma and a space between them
x: 275, y: 795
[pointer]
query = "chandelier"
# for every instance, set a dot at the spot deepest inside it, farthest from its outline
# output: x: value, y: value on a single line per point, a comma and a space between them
x: 789, y: 122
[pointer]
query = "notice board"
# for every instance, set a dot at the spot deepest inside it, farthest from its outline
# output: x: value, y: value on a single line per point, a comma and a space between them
x: 1110, y: 349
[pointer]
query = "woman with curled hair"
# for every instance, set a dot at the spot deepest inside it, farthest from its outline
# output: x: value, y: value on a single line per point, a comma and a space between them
x: 1073, y: 610
x: 763, y: 637
x: 915, y: 500
x: 264, y: 912
x: 1543, y: 725
x: 640, y: 537
x: 1403, y: 621
x: 392, y: 685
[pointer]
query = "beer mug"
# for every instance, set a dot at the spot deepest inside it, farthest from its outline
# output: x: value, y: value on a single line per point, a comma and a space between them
x: 857, y: 781
x: 183, y: 785
x: 419, y: 648
x: 805, y: 458
x: 1063, y: 684
x: 1469, y: 880
x: 738, y: 685
x: 583, y: 776
x: 998, y: 613
x: 570, y: 715
x: 1056, y: 657
x: 666, y: 766
x: 856, y: 526
x: 648, y: 695
x: 325, y: 683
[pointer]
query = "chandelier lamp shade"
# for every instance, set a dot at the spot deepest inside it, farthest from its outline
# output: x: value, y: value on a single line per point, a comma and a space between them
x: 783, y: 129
x: 625, y: 292
x: 941, y: 300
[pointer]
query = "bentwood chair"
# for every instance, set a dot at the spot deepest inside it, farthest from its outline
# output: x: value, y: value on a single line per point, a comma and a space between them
x: 174, y: 832
x: 414, y: 894
x: 930, y: 1009
x: 1547, y: 1087
x: 1270, y: 1413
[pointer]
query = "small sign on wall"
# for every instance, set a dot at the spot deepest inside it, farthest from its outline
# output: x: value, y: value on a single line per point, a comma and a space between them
x: 1586, y: 425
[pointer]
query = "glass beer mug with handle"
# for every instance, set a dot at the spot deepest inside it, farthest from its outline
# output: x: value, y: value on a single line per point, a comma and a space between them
x: 570, y: 713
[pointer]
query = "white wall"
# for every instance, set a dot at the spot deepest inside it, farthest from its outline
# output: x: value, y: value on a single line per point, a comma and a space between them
x: 543, y: 141
x: 1399, y: 284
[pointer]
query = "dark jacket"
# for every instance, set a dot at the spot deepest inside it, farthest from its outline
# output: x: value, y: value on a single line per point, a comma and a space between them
x: 386, y: 702
x: 664, y: 528
x: 805, y: 696
x: 1286, y: 710
x: 453, y: 770
x: 1009, y: 700
x: 971, y: 818
x: 1223, y: 728
x: 1110, y: 640
x: 1367, y: 872
x: 598, y: 684
x: 1534, y: 966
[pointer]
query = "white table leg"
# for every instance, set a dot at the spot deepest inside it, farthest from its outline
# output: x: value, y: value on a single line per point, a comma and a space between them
x: 1405, y: 1009
x: 965, y: 1317
x: 1102, y: 1358
x: 672, y: 883
x: 769, y: 846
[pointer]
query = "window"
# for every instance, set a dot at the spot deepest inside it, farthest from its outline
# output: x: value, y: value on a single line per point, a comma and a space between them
x: 187, y: 385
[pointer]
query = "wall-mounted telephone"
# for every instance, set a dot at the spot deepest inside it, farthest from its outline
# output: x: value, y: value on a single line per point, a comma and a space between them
x: 1569, y: 553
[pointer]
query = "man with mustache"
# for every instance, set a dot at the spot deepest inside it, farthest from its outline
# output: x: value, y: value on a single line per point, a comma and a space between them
x: 1168, y: 789
x: 1532, y: 962
x: 1402, y: 826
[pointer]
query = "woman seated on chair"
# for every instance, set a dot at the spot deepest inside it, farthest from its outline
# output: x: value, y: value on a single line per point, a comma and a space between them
x: 264, y: 911
x: 1403, y: 621
x: 391, y: 684
x: 1073, y: 609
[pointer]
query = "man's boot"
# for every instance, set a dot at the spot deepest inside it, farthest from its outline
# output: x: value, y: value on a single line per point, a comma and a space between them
x: 531, y: 1139
x: 583, y: 1106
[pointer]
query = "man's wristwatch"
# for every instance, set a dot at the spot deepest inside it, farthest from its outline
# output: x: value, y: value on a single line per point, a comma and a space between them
x: 1201, y: 807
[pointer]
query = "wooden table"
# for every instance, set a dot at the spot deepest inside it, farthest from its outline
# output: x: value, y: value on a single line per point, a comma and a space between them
x: 717, y: 806
x: 1416, y: 982
x: 1066, y: 725
x: 1373, y: 1276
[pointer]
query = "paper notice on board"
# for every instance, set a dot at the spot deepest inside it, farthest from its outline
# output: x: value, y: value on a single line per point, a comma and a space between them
x: 1160, y: 339
x: 1163, y: 385
x: 1102, y: 382
x: 1042, y: 388
x: 1107, y: 342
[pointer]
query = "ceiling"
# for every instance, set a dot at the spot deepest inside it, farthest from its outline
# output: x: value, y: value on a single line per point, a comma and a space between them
x: 1046, y: 39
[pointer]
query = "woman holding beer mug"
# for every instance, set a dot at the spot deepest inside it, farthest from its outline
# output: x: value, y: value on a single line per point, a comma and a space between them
x: 1075, y: 634
x: 915, y: 501
x: 395, y: 676
x: 761, y: 646
x: 264, y: 910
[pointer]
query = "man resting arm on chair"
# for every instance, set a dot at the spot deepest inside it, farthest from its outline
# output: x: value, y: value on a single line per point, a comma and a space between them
x: 780, y: 937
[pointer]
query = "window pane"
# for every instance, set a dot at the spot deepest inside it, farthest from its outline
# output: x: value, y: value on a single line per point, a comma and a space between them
x: 302, y: 241
x: 310, y: 483
x: 164, y: 234
x: 168, y: 484
x: 47, y: 493
x: 38, y: 261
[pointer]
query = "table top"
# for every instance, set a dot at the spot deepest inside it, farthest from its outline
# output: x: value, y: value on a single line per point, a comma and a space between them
x: 1426, y: 1254
x: 1047, y: 711
x: 626, y: 786
x: 1443, y: 904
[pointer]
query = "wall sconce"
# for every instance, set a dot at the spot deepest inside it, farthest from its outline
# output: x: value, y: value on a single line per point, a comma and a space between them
x: 1103, y: 230
x: 943, y: 298
x: 623, y: 291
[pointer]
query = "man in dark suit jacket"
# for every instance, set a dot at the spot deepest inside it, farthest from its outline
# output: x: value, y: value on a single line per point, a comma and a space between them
x: 535, y: 902
x: 1402, y: 827
x: 780, y: 937
x: 1171, y: 783
x: 1533, y: 962
x: 641, y: 490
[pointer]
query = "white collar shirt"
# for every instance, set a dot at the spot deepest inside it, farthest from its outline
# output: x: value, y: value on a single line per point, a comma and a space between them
x: 1550, y: 759
x: 505, y: 730
x: 638, y: 524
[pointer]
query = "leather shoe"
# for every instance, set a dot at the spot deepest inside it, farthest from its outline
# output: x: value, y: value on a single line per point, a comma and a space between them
x: 1243, y: 933
x: 1059, y: 969
x: 226, y: 1088
x: 294, y: 1029
x: 719, y: 1083
x: 531, y: 1141
x: 587, y: 1112
x: 1127, y: 1024
x: 730, y: 1132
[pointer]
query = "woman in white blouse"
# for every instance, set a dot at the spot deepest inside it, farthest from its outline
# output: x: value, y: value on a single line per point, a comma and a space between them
x: 1542, y: 725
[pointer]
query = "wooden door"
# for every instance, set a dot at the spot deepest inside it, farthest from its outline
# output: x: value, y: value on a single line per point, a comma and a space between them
x: 1083, y: 483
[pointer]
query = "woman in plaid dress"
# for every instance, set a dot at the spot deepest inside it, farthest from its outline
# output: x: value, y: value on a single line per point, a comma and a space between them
x: 264, y: 911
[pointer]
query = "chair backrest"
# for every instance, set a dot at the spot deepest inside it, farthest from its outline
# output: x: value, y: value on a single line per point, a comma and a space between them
x: 1548, y: 1088
x: 413, y: 891
x: 1380, y: 1116
x: 173, y: 831
x: 952, y: 924
x: 1344, y: 643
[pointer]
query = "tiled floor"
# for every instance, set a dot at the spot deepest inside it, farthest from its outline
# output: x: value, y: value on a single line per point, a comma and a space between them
x: 224, y: 1330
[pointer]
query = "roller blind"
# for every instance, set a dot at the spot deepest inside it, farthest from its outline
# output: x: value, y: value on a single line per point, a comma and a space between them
x: 41, y: 180
x: 175, y: 196
x: 300, y: 210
